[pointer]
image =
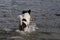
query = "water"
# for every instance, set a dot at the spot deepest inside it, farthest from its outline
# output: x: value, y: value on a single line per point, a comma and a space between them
x: 43, y: 12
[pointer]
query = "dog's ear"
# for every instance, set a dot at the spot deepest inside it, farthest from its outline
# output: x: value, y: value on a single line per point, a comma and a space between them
x: 29, y: 11
x: 23, y: 12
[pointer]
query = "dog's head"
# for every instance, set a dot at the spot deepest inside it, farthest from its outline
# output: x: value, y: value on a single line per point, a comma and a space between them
x: 26, y: 11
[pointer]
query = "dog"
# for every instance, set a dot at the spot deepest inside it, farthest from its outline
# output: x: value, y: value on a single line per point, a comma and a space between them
x: 24, y: 20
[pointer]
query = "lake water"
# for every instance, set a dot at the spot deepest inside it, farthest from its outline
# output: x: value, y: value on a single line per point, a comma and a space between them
x: 44, y: 14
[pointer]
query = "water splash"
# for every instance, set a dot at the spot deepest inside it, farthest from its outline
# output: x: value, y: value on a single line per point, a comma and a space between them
x: 32, y: 27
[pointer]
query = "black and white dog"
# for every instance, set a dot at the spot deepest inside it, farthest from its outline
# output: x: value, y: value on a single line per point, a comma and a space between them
x: 24, y: 20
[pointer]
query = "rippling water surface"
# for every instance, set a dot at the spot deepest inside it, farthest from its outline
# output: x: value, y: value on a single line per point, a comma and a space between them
x: 45, y: 13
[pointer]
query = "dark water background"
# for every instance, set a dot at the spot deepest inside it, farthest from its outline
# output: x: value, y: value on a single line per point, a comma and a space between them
x: 45, y: 12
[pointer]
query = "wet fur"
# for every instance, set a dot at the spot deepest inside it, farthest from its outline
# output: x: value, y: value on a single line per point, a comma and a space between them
x: 21, y: 27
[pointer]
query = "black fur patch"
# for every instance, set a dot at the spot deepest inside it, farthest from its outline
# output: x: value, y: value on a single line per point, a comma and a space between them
x: 26, y: 11
x: 23, y: 19
x: 21, y: 27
